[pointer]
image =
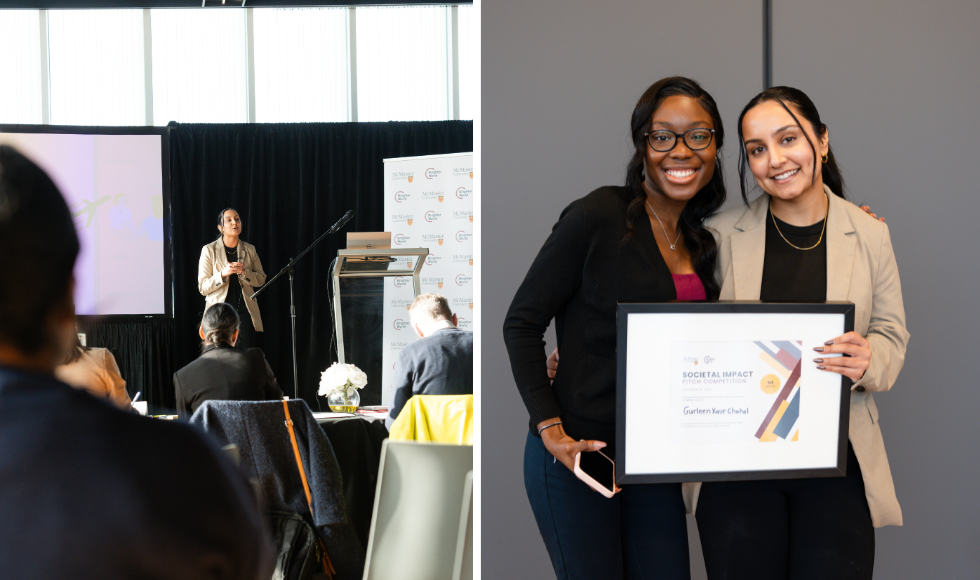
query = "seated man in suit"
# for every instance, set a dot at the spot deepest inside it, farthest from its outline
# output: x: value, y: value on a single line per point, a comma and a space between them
x: 223, y: 372
x: 88, y: 490
x: 440, y: 362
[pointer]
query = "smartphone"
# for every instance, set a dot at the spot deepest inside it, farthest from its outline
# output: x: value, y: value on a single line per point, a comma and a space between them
x: 598, y: 471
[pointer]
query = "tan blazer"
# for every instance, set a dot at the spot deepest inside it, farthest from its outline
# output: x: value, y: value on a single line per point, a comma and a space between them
x: 96, y: 371
x: 861, y: 269
x: 214, y: 289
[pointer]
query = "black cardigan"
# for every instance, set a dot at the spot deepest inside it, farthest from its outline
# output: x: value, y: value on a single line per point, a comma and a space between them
x: 577, y: 278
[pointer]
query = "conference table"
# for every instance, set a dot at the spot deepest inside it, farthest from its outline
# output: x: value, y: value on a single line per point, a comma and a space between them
x: 356, y: 440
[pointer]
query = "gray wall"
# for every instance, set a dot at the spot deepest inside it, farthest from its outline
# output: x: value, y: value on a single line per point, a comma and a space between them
x: 894, y: 80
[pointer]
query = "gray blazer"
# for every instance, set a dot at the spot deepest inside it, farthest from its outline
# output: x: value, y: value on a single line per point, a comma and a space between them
x: 861, y: 268
x: 214, y: 289
x: 438, y: 364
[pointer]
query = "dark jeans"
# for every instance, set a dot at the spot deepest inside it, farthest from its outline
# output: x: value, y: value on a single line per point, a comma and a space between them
x: 640, y: 533
x: 797, y: 529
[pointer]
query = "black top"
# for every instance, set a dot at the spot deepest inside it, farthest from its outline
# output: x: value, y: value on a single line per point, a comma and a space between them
x: 791, y: 275
x: 578, y: 276
x: 225, y: 373
x: 90, y: 491
x: 234, y: 297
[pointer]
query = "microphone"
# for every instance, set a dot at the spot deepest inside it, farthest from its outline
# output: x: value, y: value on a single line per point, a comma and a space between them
x: 340, y: 223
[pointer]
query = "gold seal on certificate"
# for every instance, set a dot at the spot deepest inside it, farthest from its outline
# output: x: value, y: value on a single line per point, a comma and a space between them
x: 770, y: 384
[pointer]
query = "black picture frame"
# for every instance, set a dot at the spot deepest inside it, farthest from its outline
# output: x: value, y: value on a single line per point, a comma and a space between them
x: 623, y: 312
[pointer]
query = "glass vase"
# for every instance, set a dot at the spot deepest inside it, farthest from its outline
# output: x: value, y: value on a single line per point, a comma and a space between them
x: 340, y: 402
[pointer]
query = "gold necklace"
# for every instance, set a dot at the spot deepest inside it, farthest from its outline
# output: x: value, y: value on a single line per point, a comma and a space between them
x: 822, y: 230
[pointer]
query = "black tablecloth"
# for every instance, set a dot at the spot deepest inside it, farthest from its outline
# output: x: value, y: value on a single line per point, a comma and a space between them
x: 357, y: 445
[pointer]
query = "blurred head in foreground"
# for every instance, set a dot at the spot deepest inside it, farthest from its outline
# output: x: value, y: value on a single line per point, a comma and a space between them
x: 39, y: 246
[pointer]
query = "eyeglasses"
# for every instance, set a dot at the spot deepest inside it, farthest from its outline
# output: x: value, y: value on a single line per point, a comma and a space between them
x: 663, y: 140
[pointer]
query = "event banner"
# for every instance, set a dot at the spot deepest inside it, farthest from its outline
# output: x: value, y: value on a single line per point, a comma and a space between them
x: 729, y: 391
x: 428, y: 204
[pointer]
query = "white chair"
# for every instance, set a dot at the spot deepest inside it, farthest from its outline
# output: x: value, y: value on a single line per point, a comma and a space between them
x: 463, y: 568
x: 415, y: 528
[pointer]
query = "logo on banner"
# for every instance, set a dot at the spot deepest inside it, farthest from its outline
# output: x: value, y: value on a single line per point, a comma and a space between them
x: 461, y: 303
x: 401, y: 239
x: 401, y: 324
x: 458, y: 171
x: 431, y: 216
x: 432, y: 173
x: 432, y: 260
x: 429, y: 239
x: 399, y: 175
x: 464, y: 323
x: 397, y: 345
x: 399, y: 302
x: 463, y: 236
x: 401, y: 196
x: 462, y: 215
x: 462, y: 280
x: 401, y: 281
x: 463, y: 259
x: 439, y: 196
x: 398, y: 218
x: 463, y: 192
x: 431, y: 281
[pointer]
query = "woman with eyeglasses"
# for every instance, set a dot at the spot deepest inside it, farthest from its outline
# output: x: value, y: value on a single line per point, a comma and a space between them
x: 801, y: 241
x: 640, y: 242
x: 229, y: 271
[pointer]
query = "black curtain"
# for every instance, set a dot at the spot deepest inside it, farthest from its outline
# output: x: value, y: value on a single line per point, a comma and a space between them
x: 289, y: 183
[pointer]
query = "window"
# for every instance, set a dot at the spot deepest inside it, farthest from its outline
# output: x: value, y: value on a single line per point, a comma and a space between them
x: 200, y: 62
x: 300, y: 64
x: 20, y: 67
x: 96, y: 61
x: 403, y: 63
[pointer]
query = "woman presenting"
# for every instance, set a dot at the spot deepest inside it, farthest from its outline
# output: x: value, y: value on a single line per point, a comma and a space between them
x: 641, y: 242
x: 801, y: 241
x: 228, y: 272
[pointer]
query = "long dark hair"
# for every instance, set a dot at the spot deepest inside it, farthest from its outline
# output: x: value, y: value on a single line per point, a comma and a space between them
x: 697, y: 239
x: 785, y: 96
x: 219, y: 323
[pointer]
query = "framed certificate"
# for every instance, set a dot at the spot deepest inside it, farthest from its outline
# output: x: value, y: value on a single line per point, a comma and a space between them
x: 726, y: 391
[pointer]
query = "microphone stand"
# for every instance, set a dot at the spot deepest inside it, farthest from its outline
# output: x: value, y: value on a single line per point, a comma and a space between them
x: 292, y: 307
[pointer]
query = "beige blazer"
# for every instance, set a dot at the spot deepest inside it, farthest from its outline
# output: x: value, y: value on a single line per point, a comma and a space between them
x: 214, y: 289
x: 861, y: 269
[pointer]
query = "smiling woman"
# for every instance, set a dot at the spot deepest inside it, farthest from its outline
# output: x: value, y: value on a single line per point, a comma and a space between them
x: 641, y: 242
x: 802, y: 242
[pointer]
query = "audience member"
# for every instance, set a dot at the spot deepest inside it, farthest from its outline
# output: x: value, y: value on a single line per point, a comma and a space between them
x: 94, y: 370
x: 86, y: 490
x: 223, y: 372
x: 440, y: 362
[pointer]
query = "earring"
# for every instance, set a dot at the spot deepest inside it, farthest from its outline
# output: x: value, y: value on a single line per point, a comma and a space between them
x: 824, y: 159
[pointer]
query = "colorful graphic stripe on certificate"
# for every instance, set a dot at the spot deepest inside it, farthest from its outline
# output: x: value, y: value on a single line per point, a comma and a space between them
x: 785, y: 359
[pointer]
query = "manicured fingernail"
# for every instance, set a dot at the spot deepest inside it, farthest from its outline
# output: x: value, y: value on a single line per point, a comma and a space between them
x: 600, y: 445
x: 829, y: 342
x: 818, y: 360
x: 821, y: 367
x: 818, y: 348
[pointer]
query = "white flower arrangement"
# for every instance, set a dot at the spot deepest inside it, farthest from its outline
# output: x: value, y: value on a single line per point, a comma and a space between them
x: 341, y: 377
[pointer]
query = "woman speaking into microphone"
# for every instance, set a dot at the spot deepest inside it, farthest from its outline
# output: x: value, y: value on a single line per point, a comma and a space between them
x: 228, y: 271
